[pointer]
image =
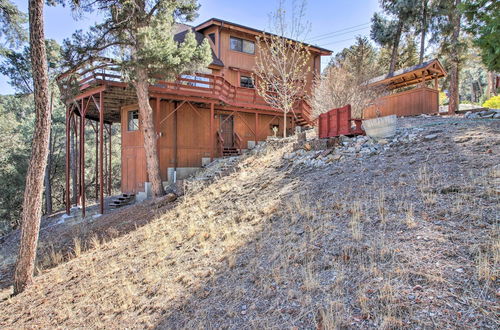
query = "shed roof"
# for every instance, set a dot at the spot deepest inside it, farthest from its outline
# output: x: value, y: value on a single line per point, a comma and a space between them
x: 410, y: 76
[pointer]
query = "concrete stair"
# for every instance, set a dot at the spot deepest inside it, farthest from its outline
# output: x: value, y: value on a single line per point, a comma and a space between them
x: 122, y: 200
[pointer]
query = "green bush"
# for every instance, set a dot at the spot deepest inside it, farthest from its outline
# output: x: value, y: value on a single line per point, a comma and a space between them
x: 492, y: 103
x: 443, y: 99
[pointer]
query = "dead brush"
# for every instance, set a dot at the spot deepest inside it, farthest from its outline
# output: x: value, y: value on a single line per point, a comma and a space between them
x: 410, y: 216
x: 425, y: 182
x: 355, y: 222
x: 382, y: 211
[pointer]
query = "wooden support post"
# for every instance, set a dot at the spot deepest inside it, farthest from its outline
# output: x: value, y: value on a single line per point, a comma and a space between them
x: 212, y: 132
x: 82, y: 160
x: 68, y: 150
x: 256, y: 128
x: 436, y: 83
x: 101, y: 152
x: 96, y: 162
x: 109, y: 160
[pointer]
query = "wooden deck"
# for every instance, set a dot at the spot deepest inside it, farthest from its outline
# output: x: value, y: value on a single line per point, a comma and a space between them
x: 202, y: 88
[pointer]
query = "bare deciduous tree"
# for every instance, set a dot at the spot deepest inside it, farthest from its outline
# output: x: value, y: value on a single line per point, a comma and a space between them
x: 337, y: 88
x: 282, y: 63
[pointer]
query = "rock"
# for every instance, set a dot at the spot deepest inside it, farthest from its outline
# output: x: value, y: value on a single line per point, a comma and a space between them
x: 382, y: 141
x: 289, y: 155
x: 307, y: 147
x: 459, y: 270
x: 351, y: 150
x: 430, y: 137
x: 333, y: 158
x: 468, y: 114
x: 497, y: 115
x: 418, y: 288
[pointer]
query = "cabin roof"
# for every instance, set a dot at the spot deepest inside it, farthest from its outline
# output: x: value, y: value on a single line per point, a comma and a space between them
x: 410, y: 76
x: 180, y: 35
x: 223, y: 23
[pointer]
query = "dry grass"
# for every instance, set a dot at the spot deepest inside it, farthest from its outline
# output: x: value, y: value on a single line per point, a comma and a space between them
x: 277, y: 247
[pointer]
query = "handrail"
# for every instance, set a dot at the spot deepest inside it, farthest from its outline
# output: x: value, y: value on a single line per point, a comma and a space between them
x: 238, y: 141
x: 220, y: 141
x: 199, y: 84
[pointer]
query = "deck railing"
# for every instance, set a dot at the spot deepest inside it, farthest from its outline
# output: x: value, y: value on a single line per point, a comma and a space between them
x: 197, y: 85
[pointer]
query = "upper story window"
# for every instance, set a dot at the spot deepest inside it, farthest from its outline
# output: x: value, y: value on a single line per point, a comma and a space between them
x: 246, y: 81
x: 133, y: 120
x: 212, y: 37
x: 242, y: 45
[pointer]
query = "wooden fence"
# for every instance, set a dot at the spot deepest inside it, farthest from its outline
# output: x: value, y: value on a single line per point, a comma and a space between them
x: 412, y: 102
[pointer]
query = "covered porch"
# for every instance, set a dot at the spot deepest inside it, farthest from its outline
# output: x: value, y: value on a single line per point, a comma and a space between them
x: 407, y: 101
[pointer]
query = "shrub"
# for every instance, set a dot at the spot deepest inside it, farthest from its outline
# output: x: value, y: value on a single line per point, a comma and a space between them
x: 493, y: 102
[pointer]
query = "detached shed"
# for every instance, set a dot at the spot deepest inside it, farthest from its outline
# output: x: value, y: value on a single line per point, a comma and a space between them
x: 415, y: 101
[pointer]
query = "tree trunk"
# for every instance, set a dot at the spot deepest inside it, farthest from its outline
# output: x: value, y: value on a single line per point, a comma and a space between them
x: 48, y: 169
x: 48, y: 186
x: 284, y: 124
x: 394, y: 55
x: 491, y: 87
x: 32, y: 204
x: 454, y: 59
x: 147, y: 126
x: 424, y: 31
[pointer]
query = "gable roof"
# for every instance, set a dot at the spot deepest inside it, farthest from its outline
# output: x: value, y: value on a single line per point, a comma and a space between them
x: 410, y: 75
x: 180, y: 31
x: 223, y: 23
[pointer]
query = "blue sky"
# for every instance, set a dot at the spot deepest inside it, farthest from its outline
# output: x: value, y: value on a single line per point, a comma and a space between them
x: 327, y: 17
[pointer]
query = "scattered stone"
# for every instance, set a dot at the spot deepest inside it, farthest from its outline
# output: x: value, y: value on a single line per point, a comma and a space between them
x: 430, y: 137
x: 307, y: 147
x: 459, y: 270
x: 418, y: 288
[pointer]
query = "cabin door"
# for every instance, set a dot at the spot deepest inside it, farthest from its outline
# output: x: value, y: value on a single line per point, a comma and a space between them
x: 227, y: 130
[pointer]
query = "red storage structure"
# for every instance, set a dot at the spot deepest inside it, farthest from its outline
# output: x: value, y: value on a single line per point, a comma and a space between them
x: 338, y: 122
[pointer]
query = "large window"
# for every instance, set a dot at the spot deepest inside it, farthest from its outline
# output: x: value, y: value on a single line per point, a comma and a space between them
x: 246, y: 81
x: 133, y: 120
x: 242, y: 45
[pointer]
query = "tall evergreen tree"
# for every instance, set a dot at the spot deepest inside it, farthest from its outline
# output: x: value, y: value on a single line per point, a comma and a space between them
x: 483, y: 18
x: 141, y: 33
x: 32, y: 204
x: 11, y: 24
x: 387, y: 31
x: 447, y: 31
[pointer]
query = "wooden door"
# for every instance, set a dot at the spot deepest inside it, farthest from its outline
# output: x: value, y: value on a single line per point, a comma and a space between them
x: 227, y: 130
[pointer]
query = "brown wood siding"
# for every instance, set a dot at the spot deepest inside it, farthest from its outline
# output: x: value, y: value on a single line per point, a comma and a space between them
x: 133, y: 156
x: 408, y: 103
x: 193, y: 138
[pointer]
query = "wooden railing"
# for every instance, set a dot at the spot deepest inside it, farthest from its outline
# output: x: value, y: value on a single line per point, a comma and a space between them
x: 198, y: 85
x: 238, y: 141
x: 220, y: 143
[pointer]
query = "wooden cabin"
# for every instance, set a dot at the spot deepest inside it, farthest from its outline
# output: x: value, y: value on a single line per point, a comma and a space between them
x: 405, y: 101
x: 197, y: 117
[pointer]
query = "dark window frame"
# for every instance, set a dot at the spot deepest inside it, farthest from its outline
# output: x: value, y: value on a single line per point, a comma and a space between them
x: 240, y: 47
x: 212, y: 37
x: 248, y: 82
x: 132, y: 120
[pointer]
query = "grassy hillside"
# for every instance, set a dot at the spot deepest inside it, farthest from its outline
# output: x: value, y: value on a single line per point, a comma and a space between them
x: 405, y: 238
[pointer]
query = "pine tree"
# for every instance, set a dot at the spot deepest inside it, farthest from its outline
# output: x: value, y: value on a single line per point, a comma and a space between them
x: 32, y: 204
x: 141, y: 32
x: 387, y: 31
x: 483, y: 18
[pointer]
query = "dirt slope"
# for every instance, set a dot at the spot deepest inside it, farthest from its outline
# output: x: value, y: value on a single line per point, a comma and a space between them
x: 405, y: 238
